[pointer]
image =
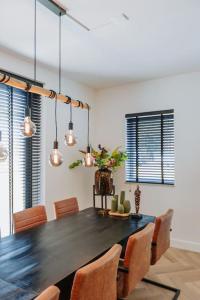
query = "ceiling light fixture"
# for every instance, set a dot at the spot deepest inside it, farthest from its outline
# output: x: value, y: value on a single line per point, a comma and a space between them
x: 57, y: 8
x: 56, y: 158
x: 28, y: 127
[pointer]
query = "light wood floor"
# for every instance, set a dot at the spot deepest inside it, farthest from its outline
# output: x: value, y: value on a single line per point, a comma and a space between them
x: 178, y: 268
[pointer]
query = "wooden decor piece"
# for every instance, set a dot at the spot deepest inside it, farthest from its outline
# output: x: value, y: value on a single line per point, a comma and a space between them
x: 137, y: 199
x: 40, y: 91
x: 117, y: 214
x: 137, y: 194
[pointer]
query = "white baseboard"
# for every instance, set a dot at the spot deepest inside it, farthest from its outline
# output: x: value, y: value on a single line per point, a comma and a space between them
x: 186, y: 245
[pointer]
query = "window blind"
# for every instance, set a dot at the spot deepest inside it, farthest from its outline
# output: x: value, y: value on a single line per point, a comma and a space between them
x: 20, y: 173
x: 150, y: 147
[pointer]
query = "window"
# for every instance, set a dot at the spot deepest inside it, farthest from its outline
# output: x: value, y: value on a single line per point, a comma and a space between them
x: 150, y: 147
x: 20, y: 173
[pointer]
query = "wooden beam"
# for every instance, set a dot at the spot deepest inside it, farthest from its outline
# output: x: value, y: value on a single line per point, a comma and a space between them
x: 40, y: 91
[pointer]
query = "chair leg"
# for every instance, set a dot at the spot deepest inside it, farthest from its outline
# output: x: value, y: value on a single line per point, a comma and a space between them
x: 163, y: 286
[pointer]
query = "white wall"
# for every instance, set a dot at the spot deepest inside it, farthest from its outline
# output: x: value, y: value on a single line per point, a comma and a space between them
x: 183, y: 94
x: 59, y: 183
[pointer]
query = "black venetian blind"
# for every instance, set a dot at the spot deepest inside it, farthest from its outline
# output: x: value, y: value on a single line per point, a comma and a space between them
x: 150, y: 147
x: 20, y: 173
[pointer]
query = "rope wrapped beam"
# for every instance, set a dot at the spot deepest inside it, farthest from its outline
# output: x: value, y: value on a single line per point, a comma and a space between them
x: 22, y: 85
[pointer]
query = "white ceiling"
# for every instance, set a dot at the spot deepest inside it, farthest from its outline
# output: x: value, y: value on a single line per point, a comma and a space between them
x: 161, y: 38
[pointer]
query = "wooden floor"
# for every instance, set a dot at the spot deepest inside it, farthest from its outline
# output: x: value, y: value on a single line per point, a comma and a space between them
x: 178, y: 268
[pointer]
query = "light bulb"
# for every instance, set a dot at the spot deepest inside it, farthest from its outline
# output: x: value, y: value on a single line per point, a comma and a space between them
x: 88, y: 159
x: 28, y: 128
x: 70, y: 139
x: 55, y: 158
x: 3, y: 151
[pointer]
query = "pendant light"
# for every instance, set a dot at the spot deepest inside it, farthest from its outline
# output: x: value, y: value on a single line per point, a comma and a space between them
x: 28, y: 127
x: 56, y: 158
x: 70, y: 139
x: 3, y: 150
x: 88, y: 160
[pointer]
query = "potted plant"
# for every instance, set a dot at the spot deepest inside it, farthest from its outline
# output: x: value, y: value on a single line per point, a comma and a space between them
x: 106, y: 162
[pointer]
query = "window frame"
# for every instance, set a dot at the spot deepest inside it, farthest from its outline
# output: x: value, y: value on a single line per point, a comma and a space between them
x: 147, y: 114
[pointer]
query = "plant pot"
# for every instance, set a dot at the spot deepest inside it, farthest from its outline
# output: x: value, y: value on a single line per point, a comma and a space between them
x: 103, y: 181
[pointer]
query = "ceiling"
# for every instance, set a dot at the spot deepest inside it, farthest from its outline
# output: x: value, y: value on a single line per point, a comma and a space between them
x: 160, y: 38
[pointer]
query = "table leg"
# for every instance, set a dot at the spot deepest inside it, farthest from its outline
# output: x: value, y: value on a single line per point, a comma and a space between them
x: 102, y: 201
x: 94, y: 202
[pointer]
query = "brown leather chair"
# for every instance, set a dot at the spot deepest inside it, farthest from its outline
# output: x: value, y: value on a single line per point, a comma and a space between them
x: 51, y: 293
x: 66, y: 207
x: 29, y: 218
x: 136, y: 262
x: 160, y: 244
x: 98, y: 280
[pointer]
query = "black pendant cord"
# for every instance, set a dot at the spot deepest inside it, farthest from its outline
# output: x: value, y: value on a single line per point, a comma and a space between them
x: 34, y: 55
x: 27, y: 111
x: 70, y: 118
x: 56, y: 121
x: 88, y: 128
x: 60, y: 46
x: 59, y: 80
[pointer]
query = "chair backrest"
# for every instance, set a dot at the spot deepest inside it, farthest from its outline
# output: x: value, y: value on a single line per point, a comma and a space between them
x: 98, y: 280
x: 29, y: 218
x: 66, y: 207
x: 51, y: 293
x: 161, y: 237
x: 137, y: 260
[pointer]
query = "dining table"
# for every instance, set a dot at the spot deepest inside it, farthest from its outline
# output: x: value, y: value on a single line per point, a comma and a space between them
x: 50, y: 254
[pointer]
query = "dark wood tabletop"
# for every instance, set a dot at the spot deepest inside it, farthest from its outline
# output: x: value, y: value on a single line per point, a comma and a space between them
x: 32, y: 260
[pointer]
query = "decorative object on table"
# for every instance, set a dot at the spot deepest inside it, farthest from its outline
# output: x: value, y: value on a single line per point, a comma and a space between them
x: 106, y: 162
x: 121, y: 210
x: 122, y: 197
x: 103, y: 181
x: 127, y: 206
x: 114, y: 204
x: 137, y: 194
x: 117, y: 214
x: 103, y: 212
x: 104, y: 198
